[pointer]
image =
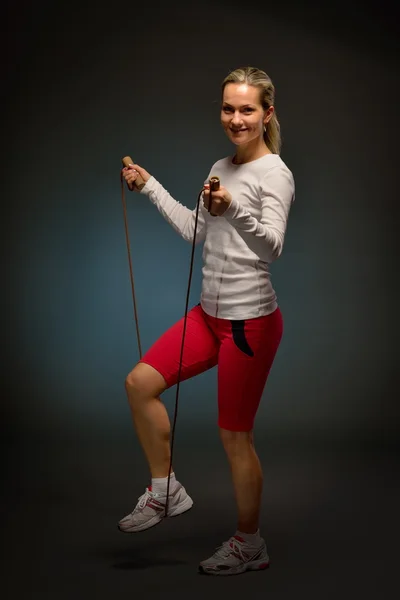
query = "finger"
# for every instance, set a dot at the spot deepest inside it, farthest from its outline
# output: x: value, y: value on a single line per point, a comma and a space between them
x: 132, y: 179
x: 136, y: 168
x: 128, y: 170
x: 132, y: 175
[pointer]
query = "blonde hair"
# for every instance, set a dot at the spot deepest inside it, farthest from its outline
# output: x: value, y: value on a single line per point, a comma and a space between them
x: 259, y: 79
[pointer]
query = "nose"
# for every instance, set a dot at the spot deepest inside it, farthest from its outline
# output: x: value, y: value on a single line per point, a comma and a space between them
x: 236, y: 119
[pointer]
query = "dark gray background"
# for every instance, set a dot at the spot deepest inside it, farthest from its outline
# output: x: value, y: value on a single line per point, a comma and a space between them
x: 82, y: 87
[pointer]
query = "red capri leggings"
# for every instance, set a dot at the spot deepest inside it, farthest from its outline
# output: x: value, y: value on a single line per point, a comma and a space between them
x: 243, y: 350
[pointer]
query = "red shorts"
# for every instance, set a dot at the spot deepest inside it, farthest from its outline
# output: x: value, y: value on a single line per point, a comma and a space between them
x: 243, y: 350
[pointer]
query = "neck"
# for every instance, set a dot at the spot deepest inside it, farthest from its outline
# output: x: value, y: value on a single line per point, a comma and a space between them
x: 251, y: 151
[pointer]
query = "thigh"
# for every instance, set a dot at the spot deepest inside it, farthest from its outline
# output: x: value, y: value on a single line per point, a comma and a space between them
x: 246, y: 356
x: 200, y: 351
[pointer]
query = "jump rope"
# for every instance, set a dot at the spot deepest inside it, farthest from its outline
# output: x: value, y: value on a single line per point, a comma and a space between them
x: 214, y: 186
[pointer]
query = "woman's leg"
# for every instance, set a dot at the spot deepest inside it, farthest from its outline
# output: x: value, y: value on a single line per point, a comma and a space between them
x: 157, y: 371
x: 144, y: 385
x: 247, y: 477
x: 247, y: 353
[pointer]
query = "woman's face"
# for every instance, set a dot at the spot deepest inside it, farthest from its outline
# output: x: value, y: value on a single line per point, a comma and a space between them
x: 242, y: 115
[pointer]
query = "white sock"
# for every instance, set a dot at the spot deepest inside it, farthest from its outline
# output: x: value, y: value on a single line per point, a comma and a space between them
x: 253, y: 539
x: 159, y: 484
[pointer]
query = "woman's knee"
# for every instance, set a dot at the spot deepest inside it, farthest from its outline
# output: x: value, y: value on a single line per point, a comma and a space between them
x: 144, y: 382
x: 235, y: 441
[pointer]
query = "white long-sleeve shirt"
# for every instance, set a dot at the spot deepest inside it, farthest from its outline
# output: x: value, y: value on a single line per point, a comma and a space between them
x: 240, y: 244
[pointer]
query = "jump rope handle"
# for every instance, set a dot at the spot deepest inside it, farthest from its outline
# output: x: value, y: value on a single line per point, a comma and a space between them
x: 214, y: 187
x: 214, y: 184
x: 126, y: 161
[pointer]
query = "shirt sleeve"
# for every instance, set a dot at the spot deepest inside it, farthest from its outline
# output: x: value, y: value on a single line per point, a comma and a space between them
x: 277, y: 195
x: 182, y: 219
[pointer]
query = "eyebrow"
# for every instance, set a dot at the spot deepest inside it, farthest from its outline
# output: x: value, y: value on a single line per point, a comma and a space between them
x: 242, y: 106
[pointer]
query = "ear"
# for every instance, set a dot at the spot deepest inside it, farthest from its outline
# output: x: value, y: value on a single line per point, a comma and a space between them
x: 268, y: 114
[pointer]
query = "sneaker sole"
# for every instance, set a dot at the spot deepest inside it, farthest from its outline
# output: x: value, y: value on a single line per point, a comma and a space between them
x: 183, y: 507
x: 257, y: 565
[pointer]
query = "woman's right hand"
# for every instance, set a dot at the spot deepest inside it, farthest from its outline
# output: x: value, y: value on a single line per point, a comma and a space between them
x: 136, y: 177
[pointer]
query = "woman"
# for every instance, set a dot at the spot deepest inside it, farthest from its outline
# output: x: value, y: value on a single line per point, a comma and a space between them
x: 237, y: 325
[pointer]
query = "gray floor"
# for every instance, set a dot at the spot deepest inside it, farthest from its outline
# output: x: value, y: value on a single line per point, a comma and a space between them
x: 329, y: 519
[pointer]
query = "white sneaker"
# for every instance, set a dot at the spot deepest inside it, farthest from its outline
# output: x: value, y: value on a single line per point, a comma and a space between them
x: 234, y: 557
x: 150, y: 509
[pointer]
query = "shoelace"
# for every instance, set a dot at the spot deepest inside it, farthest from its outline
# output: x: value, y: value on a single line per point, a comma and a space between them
x: 142, y: 500
x: 232, y: 545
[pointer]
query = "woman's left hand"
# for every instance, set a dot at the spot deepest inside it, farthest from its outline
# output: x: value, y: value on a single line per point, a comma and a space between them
x: 220, y: 200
